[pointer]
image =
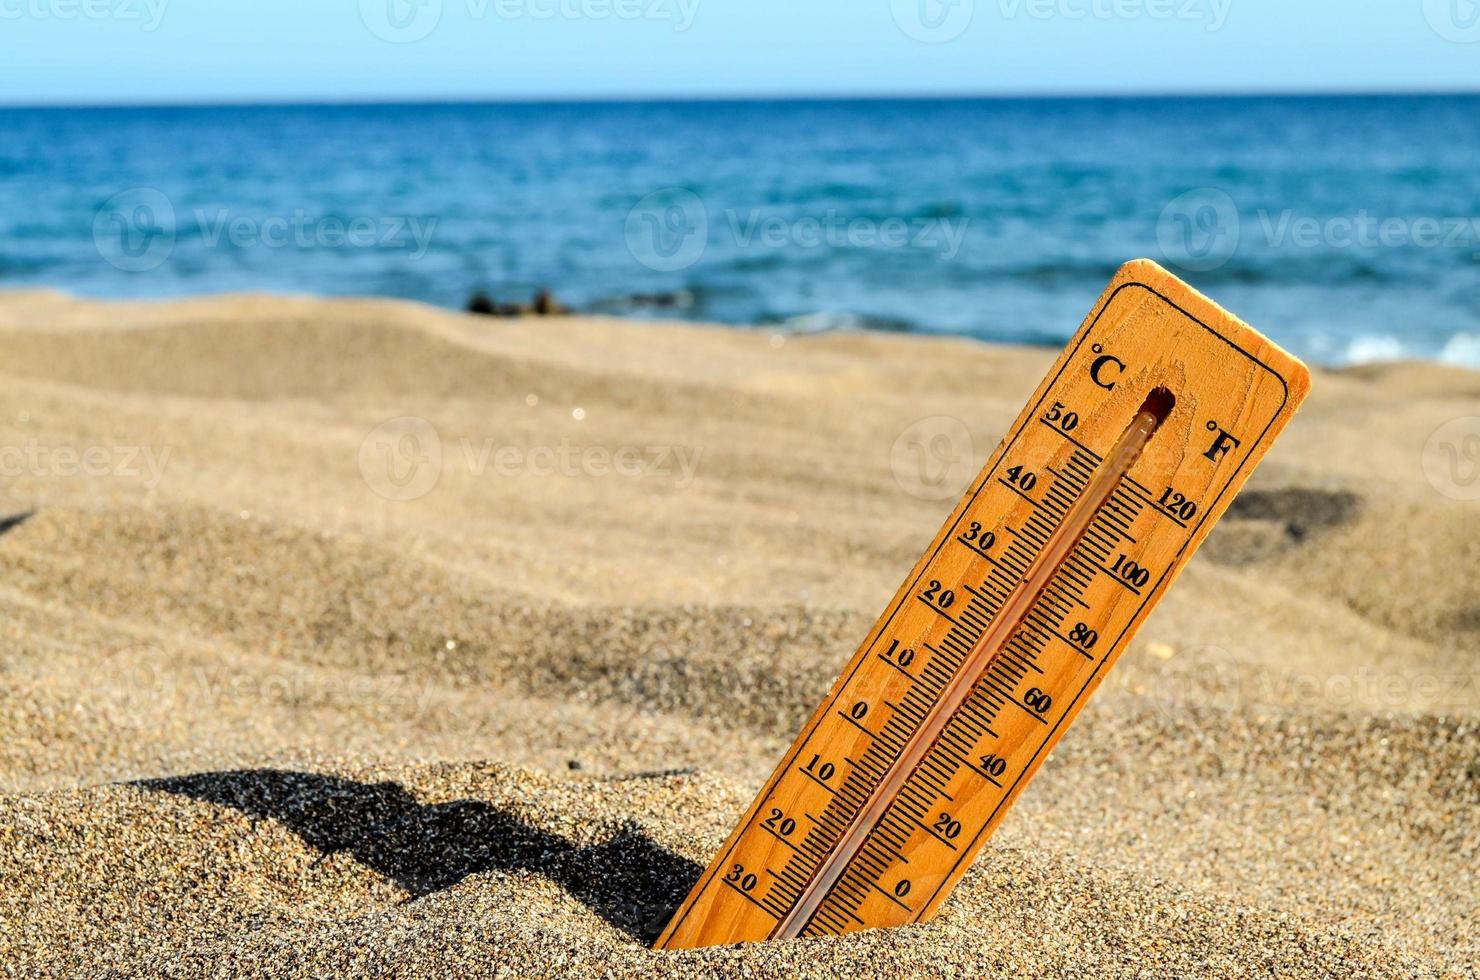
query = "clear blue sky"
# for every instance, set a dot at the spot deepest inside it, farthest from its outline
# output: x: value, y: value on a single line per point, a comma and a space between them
x: 205, y: 50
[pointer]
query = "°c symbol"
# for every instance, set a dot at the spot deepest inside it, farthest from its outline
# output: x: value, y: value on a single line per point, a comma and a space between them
x: 1100, y: 371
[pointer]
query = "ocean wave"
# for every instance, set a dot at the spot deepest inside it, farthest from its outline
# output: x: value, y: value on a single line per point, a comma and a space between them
x: 1373, y: 348
x: 1462, y: 349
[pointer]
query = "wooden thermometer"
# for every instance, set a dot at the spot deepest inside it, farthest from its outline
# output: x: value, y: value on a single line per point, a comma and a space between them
x: 1144, y: 430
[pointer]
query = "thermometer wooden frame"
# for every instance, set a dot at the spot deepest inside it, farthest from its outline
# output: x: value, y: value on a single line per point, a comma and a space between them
x: 1007, y: 624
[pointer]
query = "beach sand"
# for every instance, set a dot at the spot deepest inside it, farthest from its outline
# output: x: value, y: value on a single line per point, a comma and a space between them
x: 258, y: 717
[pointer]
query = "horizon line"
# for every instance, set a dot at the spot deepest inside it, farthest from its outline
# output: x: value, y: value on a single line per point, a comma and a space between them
x: 311, y: 101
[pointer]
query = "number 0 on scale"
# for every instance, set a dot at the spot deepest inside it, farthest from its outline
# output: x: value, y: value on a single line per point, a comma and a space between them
x: 1117, y: 467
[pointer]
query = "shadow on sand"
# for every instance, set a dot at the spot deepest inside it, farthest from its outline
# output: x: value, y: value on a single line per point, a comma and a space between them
x: 628, y: 880
x: 10, y: 523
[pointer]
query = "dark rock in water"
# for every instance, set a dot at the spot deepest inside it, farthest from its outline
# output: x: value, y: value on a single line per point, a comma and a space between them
x: 681, y: 299
x: 545, y: 304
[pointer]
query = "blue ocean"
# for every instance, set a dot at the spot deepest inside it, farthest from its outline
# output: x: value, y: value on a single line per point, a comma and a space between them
x: 1348, y: 228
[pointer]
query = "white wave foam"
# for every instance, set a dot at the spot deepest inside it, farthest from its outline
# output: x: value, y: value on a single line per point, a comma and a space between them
x: 1462, y: 349
x: 1365, y: 350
